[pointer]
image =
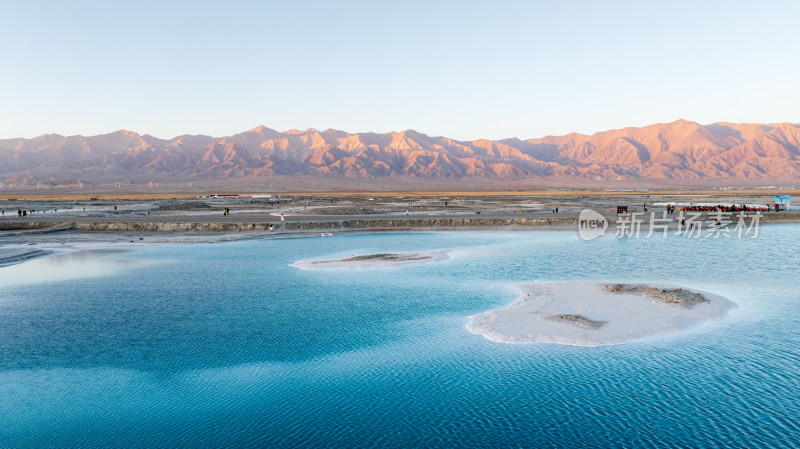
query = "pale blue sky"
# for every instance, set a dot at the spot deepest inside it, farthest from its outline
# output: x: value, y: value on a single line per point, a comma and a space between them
x: 461, y: 69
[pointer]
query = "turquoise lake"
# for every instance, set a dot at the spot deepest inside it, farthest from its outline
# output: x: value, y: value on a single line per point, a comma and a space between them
x: 227, y: 345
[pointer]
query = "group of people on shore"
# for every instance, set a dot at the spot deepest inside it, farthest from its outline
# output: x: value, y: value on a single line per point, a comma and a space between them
x: 25, y: 212
x: 732, y: 208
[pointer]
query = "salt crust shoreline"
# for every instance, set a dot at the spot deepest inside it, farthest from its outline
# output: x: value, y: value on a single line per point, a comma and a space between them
x: 595, y: 314
x: 14, y: 255
x: 375, y: 260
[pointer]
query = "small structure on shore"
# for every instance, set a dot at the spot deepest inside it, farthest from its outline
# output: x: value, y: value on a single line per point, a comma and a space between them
x: 783, y: 201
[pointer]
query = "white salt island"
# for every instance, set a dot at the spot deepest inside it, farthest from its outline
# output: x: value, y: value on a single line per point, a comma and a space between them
x: 374, y: 260
x: 594, y: 314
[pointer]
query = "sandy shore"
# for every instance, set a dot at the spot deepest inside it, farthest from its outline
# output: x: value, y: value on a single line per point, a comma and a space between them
x: 593, y: 314
x: 186, y: 219
x: 303, y: 213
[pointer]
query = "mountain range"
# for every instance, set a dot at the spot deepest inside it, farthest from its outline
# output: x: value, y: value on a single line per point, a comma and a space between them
x: 679, y: 151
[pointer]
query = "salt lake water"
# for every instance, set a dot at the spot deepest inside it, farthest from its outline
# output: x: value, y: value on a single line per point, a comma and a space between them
x: 227, y: 345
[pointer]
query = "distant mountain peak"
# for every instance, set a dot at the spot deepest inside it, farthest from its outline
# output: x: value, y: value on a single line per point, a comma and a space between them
x: 261, y: 129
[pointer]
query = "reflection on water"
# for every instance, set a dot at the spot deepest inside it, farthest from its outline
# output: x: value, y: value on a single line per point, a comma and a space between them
x: 71, y: 265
